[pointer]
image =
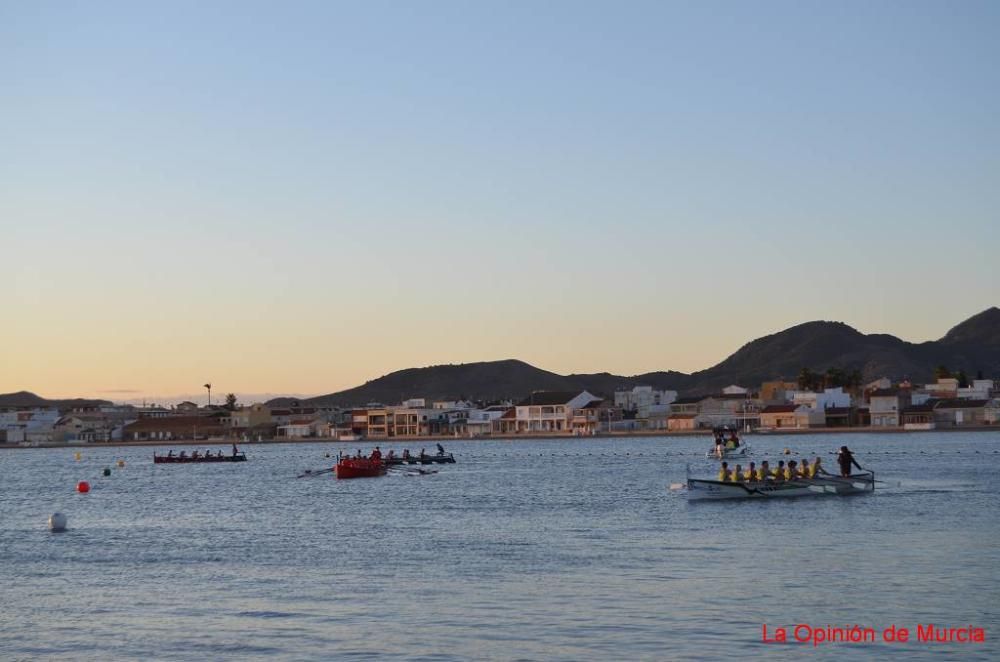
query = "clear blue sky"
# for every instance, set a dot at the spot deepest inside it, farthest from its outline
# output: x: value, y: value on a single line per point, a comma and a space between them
x: 300, y: 196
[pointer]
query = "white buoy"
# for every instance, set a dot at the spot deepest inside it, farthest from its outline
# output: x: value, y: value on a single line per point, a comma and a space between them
x: 57, y: 522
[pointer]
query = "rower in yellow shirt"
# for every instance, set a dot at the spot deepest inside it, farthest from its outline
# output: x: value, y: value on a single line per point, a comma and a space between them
x: 804, y: 469
x: 764, y: 472
x: 791, y: 473
x: 750, y: 475
x: 779, y: 473
x: 725, y: 475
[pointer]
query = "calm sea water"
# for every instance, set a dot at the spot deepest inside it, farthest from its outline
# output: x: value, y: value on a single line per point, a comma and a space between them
x: 534, y: 549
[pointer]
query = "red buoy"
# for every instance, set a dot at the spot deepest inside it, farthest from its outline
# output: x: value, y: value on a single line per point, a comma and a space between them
x: 83, y: 487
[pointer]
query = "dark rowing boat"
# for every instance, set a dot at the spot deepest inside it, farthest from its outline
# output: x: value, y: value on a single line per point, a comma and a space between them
x: 446, y: 458
x: 189, y: 459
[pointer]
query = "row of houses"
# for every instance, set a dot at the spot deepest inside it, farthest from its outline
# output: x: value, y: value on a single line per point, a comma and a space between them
x: 879, y: 404
x: 774, y: 406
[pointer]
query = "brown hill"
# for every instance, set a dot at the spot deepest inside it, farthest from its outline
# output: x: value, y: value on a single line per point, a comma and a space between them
x: 972, y: 346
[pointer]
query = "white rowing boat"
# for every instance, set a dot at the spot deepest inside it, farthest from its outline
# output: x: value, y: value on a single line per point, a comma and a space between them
x: 863, y: 483
x: 740, y: 451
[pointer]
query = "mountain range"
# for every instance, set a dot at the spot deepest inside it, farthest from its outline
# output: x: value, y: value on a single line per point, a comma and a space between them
x: 972, y: 346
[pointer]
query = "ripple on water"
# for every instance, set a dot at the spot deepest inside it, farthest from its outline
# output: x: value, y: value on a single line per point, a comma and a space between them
x: 497, y: 557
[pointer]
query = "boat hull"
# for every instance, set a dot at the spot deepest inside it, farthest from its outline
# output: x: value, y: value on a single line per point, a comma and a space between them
x: 168, y: 459
x: 355, y: 468
x: 416, y: 459
x: 742, y: 451
x: 827, y: 486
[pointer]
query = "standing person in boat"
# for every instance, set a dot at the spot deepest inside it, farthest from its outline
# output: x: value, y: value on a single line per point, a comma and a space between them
x: 845, y: 459
x: 236, y: 450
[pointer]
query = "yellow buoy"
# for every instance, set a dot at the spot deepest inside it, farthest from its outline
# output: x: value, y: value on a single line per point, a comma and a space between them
x: 788, y: 452
x: 121, y: 463
x: 77, y: 455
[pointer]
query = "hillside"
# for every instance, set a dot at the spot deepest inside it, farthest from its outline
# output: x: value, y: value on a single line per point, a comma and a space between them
x: 973, y: 345
x: 26, y: 399
x: 982, y: 330
x: 490, y: 380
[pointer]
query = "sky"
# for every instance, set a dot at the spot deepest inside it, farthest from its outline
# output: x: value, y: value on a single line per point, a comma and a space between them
x: 299, y: 197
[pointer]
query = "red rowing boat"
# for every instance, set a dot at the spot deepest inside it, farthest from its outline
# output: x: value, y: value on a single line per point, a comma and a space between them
x: 350, y: 467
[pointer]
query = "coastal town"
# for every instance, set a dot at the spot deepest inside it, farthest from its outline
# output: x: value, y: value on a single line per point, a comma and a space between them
x: 774, y: 406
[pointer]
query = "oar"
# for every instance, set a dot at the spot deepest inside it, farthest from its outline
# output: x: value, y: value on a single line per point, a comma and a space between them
x: 317, y: 472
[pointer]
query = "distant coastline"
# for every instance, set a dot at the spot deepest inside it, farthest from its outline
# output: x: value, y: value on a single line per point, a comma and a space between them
x: 416, y: 441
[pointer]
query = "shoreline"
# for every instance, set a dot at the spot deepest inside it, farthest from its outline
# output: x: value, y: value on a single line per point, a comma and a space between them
x: 436, y: 438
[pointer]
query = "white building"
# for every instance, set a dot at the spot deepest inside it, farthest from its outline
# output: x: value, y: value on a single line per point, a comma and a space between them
x: 733, y: 389
x: 981, y: 389
x: 645, y: 401
x: 551, y: 411
x: 482, y: 421
x: 28, y: 425
x: 886, y: 406
x: 830, y: 397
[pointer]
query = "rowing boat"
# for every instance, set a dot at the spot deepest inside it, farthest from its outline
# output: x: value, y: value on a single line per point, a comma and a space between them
x: 353, y: 467
x: 740, y: 451
x: 863, y: 483
x: 440, y: 458
x: 189, y: 459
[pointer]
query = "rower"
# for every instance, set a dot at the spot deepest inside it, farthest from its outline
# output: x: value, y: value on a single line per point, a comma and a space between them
x: 791, y: 473
x: 779, y: 473
x: 440, y: 449
x: 804, y: 469
x: 376, y: 454
x: 235, y: 450
x: 423, y: 453
x: 738, y: 474
x: 751, y: 473
x: 764, y: 472
x: 816, y: 468
x: 845, y: 459
x: 183, y: 454
x: 724, y: 474
x: 406, y: 453
x: 171, y: 453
